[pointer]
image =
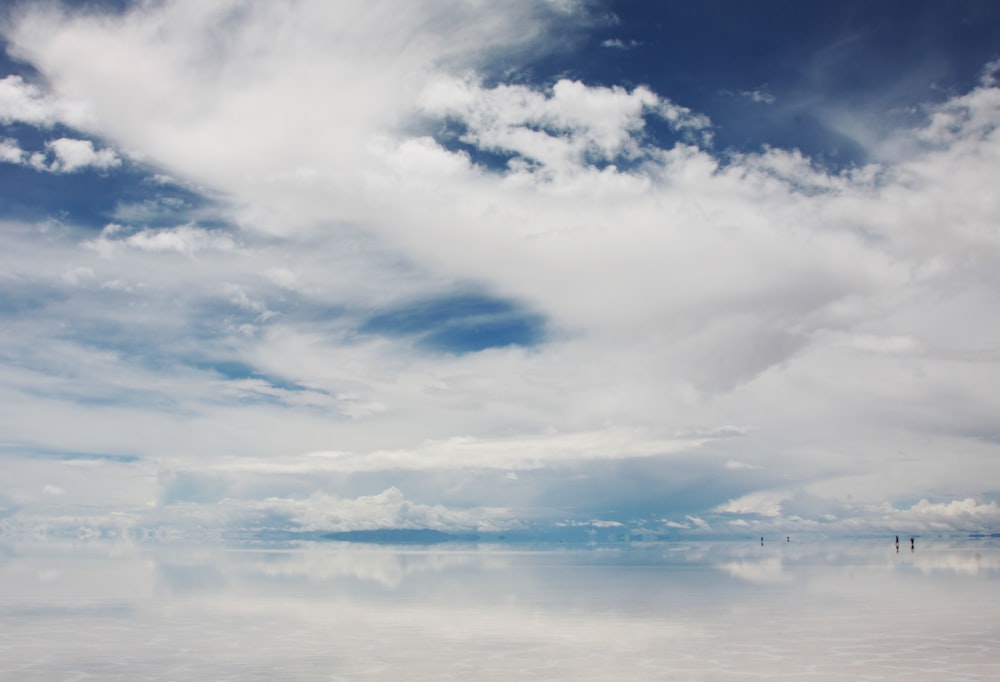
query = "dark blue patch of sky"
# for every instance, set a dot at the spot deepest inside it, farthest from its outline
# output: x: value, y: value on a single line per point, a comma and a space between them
x: 460, y: 323
x: 235, y: 370
x: 87, y: 197
x: 713, y: 56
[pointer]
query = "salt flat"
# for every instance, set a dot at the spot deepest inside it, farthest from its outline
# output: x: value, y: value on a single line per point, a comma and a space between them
x: 810, y: 609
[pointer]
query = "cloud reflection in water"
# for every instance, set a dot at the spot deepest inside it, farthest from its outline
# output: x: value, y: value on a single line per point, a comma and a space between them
x: 328, y: 611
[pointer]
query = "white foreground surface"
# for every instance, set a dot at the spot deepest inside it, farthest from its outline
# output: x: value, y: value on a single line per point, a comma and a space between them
x: 715, y: 611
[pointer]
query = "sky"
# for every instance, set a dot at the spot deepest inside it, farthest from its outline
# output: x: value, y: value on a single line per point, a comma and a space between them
x: 655, y: 269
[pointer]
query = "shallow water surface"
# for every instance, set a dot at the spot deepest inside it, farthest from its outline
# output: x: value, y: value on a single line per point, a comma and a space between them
x: 335, y: 611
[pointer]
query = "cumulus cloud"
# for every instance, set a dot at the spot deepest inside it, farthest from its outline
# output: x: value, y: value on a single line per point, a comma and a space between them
x: 64, y: 155
x: 783, y: 512
x: 561, y: 129
x: 22, y: 102
x: 11, y: 152
x: 71, y: 155
x: 964, y: 118
x: 926, y: 516
x: 388, y: 509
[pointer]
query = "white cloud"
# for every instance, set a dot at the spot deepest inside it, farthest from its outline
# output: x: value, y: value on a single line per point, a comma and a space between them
x: 64, y: 155
x: 619, y: 44
x: 699, y: 523
x: 72, y: 155
x: 509, y: 453
x: 79, y: 275
x: 185, y: 239
x: 388, y: 509
x: 849, y: 316
x: 764, y: 503
x: 967, y: 514
x: 759, y: 96
x: 283, y: 277
x: 562, y: 129
x: 22, y: 102
x: 11, y: 152
x: 774, y: 513
x: 882, y: 344
x: 597, y: 523
x: 963, y: 119
x: 762, y: 572
x: 359, y: 64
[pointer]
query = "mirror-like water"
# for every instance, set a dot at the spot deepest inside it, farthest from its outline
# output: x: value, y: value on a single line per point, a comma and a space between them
x: 721, y: 610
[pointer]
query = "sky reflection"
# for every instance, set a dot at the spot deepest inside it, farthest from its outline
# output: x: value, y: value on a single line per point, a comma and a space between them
x: 338, y: 611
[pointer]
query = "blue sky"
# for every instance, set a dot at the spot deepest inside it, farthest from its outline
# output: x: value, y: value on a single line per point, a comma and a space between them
x: 682, y: 269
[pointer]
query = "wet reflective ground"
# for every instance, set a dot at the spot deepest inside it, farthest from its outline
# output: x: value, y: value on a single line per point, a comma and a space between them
x: 335, y: 611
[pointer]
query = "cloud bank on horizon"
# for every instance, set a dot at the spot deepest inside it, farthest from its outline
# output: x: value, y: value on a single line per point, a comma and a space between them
x: 455, y: 266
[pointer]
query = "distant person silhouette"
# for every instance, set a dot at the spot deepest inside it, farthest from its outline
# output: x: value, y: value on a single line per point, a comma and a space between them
x: 911, y: 544
x: 762, y: 542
